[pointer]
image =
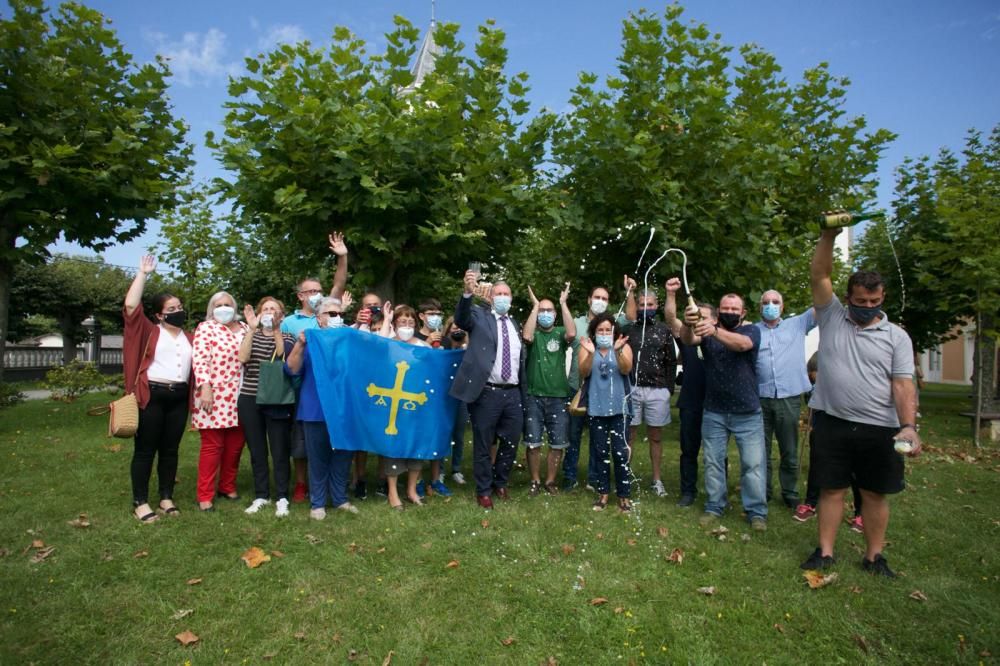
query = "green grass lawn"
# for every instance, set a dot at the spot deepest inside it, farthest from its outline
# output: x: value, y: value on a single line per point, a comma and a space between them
x: 355, y: 588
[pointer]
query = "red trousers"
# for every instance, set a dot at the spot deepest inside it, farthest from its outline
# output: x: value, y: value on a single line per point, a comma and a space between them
x: 220, y: 457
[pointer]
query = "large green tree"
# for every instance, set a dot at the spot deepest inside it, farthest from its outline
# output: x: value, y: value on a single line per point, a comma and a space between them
x: 418, y: 178
x: 89, y: 148
x: 722, y: 156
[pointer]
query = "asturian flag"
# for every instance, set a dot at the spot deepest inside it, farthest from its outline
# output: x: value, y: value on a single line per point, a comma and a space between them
x: 382, y: 395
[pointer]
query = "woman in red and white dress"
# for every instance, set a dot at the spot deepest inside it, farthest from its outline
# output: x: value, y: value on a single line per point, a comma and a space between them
x: 217, y: 372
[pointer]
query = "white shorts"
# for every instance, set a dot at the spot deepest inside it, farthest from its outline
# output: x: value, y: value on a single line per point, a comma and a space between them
x: 650, y: 406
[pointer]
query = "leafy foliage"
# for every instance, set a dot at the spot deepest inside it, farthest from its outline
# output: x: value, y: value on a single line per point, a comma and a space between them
x: 68, y: 382
x: 10, y: 395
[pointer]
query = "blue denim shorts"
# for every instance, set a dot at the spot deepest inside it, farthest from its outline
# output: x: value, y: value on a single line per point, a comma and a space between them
x: 543, y: 413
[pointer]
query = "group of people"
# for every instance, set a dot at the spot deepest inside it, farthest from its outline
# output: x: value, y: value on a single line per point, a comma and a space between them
x: 543, y: 380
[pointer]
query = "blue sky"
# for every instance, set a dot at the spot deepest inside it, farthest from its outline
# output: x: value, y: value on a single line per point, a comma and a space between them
x: 927, y: 70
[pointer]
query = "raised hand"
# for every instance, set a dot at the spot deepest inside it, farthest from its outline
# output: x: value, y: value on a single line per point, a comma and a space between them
x: 364, y: 316
x: 250, y: 316
x: 387, y: 310
x: 564, y: 295
x: 484, y: 291
x: 147, y: 264
x: 587, y: 344
x: 346, y: 301
x: 620, y: 342
x: 703, y: 328
x: 673, y: 285
x: 534, y: 299
x: 337, y: 245
x: 469, y: 282
x: 629, y: 284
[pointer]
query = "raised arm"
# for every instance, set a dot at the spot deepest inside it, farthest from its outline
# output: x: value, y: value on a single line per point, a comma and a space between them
x: 694, y: 327
x: 821, y: 270
x: 631, y: 310
x: 624, y: 352
x: 463, y: 311
x: 338, y: 247
x: 133, y: 298
x: 585, y: 357
x: 567, y: 316
x: 670, y: 307
x: 528, y: 332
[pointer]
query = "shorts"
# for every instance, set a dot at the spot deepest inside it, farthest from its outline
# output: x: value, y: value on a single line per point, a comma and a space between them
x: 845, y: 450
x: 396, y: 466
x: 548, y: 414
x: 650, y: 406
x: 298, y: 450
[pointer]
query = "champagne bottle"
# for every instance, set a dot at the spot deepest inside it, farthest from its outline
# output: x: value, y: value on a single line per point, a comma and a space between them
x: 832, y: 219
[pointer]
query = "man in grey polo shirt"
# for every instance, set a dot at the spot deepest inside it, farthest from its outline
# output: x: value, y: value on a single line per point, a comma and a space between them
x: 781, y: 381
x: 864, y: 400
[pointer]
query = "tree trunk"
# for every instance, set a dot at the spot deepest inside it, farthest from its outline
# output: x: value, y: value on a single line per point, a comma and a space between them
x: 7, y: 244
x: 978, y: 375
x: 387, y: 288
x: 67, y: 328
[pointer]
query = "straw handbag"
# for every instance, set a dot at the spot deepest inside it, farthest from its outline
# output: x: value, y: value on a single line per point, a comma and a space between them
x: 123, y: 419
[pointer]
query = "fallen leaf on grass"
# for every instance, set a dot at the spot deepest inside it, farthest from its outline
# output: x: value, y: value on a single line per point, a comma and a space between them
x: 855, y: 589
x: 918, y: 595
x: 299, y: 635
x: 186, y: 638
x: 599, y: 536
x: 426, y: 545
x: 453, y: 564
x: 181, y: 614
x: 631, y: 542
x: 80, y: 521
x: 254, y: 557
x: 719, y: 531
x: 114, y: 448
x: 568, y: 548
x: 985, y: 653
x: 194, y: 581
x: 139, y: 554
x: 745, y: 538
x: 352, y: 547
x: 676, y: 556
x: 780, y: 628
x: 388, y: 658
x: 707, y: 591
x: 353, y: 655
x: 598, y: 601
x: 313, y: 539
x: 485, y: 523
x: 270, y: 655
x: 507, y: 641
x: 380, y: 550
x: 551, y: 661
x: 4, y: 552
x: 277, y: 553
x: 106, y: 556
x: 861, y: 642
x: 663, y: 532
x: 42, y: 554
x: 817, y: 580
x: 38, y: 543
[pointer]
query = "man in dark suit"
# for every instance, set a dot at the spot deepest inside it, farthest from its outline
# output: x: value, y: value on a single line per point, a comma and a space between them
x: 489, y: 380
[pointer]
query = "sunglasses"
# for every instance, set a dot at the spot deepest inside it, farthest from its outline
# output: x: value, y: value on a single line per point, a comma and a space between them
x: 331, y: 314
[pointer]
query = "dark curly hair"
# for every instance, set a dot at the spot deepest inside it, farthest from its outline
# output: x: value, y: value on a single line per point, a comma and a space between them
x: 597, y: 321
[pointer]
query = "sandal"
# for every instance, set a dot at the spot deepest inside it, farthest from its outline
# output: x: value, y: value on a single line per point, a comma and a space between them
x: 396, y: 507
x: 148, y: 518
x: 535, y: 488
x: 415, y: 502
x: 552, y: 488
x: 624, y: 504
x: 232, y: 498
x: 171, y: 510
x: 601, y: 503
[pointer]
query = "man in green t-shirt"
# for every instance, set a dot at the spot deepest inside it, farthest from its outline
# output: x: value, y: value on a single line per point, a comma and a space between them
x: 547, y: 390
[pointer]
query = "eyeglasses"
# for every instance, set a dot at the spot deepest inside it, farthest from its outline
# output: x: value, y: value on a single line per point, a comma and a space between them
x: 434, y: 312
x: 772, y: 302
x: 311, y: 291
x: 605, y: 369
x: 550, y: 310
x: 331, y: 314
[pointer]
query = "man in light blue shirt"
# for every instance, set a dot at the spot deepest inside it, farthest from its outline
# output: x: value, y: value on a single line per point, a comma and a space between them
x: 782, y: 379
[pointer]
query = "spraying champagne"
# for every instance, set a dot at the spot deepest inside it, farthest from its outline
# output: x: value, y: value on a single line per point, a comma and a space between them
x: 833, y: 219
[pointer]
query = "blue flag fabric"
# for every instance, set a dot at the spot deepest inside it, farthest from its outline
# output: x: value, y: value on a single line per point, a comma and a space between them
x: 382, y: 395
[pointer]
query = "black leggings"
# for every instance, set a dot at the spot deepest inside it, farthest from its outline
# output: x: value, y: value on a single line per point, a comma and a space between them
x: 161, y: 427
x: 265, y: 426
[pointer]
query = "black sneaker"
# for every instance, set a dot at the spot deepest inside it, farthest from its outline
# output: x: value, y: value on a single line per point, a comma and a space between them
x: 878, y: 567
x: 818, y: 561
x: 382, y: 490
x: 360, y: 490
x: 685, y: 500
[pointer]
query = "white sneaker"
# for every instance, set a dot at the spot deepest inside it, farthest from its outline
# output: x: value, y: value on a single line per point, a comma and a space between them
x: 658, y: 488
x: 348, y: 507
x: 257, y: 505
x: 458, y: 478
x: 317, y: 514
x: 281, y: 508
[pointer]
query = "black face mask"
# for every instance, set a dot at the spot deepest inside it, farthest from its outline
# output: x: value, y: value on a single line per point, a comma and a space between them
x: 458, y: 336
x: 730, y: 320
x: 863, y: 315
x: 175, y: 318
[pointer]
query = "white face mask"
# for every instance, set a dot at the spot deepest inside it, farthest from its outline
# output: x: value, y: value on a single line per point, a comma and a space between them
x: 314, y: 301
x: 598, y: 306
x: 404, y: 333
x: 335, y: 322
x: 434, y: 322
x: 224, y: 314
x: 267, y: 321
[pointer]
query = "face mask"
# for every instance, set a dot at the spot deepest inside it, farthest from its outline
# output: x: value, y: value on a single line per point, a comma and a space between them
x: 458, y: 336
x: 175, y: 318
x: 603, y: 341
x: 598, y: 306
x: 863, y: 315
x: 771, y: 311
x: 730, y: 320
x: 267, y: 321
x: 649, y: 314
x: 546, y: 319
x: 404, y: 333
x: 314, y: 301
x: 501, y: 304
x: 335, y: 322
x: 224, y: 314
x: 434, y: 322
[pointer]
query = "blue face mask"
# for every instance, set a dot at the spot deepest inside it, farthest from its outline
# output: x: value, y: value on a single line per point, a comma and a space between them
x: 603, y: 341
x: 434, y: 322
x: 648, y: 314
x: 501, y: 304
x: 314, y: 301
x: 546, y: 319
x: 771, y: 311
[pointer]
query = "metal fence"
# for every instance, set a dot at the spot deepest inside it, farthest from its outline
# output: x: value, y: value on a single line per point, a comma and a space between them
x: 22, y: 362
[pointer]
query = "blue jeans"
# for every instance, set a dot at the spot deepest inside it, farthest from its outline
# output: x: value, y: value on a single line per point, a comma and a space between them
x: 608, y: 437
x: 329, y: 469
x: 748, y: 430
x: 458, y: 437
x: 544, y: 414
x: 572, y: 458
